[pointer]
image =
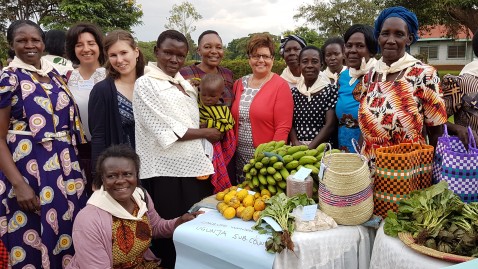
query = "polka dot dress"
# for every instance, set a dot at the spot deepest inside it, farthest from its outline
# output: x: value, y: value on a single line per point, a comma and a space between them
x: 309, y: 116
x: 245, y: 148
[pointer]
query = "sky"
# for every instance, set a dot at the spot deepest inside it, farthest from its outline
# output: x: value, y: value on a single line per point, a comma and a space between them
x: 230, y: 18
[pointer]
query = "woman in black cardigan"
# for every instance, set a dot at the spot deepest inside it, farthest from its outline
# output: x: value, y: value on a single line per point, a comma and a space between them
x: 111, y: 118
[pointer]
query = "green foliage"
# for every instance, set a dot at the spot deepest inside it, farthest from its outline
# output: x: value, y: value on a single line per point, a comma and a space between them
x: 237, y: 48
x: 456, y: 15
x: 182, y: 19
x: 309, y: 35
x: 35, y: 10
x: 335, y: 16
x: 107, y: 14
x: 240, y: 67
x: 147, y: 48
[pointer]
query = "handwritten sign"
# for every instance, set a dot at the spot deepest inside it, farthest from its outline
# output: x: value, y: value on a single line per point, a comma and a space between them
x: 214, y: 241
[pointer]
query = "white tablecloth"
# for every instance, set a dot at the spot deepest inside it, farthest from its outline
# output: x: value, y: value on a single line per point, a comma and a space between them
x: 391, y: 253
x: 347, y: 247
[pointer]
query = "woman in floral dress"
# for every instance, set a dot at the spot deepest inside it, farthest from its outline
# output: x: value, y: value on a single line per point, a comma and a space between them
x: 41, y: 183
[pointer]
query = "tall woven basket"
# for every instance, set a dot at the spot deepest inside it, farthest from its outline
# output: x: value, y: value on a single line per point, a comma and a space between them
x: 345, y: 190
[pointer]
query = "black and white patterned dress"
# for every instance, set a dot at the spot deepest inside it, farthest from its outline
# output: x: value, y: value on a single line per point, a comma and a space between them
x: 309, y: 116
x: 245, y: 148
x: 125, y: 108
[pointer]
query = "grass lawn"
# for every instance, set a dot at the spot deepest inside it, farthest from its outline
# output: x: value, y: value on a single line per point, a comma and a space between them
x: 441, y: 73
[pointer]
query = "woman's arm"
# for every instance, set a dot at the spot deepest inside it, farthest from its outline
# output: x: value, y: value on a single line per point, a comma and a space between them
x: 283, y: 112
x: 26, y: 198
x: 97, y: 108
x: 211, y: 134
x: 294, y: 140
x: 91, y: 242
x: 327, y: 130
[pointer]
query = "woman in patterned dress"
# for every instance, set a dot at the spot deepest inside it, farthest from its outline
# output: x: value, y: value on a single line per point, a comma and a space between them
x: 401, y: 98
x: 116, y: 227
x: 41, y: 183
x: 110, y: 99
x: 314, y: 103
x: 263, y: 104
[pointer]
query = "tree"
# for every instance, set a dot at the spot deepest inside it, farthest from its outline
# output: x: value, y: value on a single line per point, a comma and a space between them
x: 456, y: 15
x: 309, y: 35
x: 237, y: 48
x: 182, y: 18
x: 107, y: 14
x: 147, y: 48
x: 334, y: 17
x: 34, y: 10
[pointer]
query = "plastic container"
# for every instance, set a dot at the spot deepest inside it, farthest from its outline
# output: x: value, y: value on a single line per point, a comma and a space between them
x: 295, y: 186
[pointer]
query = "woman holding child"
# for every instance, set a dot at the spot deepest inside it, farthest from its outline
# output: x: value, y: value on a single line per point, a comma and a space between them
x: 168, y: 137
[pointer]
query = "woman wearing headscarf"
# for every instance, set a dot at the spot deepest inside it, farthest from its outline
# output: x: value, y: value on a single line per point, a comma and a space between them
x: 461, y: 96
x: 290, y: 48
x: 360, y: 48
x: 401, y: 96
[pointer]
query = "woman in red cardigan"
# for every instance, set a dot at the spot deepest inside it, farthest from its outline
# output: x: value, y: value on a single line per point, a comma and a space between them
x: 263, y: 104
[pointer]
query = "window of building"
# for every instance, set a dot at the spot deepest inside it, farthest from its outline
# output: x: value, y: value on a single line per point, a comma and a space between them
x: 430, y: 51
x: 455, y: 52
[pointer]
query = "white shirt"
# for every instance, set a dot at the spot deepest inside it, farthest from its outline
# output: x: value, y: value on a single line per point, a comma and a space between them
x: 81, y: 88
x: 162, y: 114
x: 62, y: 65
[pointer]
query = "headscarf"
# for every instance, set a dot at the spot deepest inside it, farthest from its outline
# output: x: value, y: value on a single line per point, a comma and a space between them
x: 364, y: 68
x: 286, y: 39
x: 46, y: 67
x: 103, y: 200
x: 400, y: 12
x: 321, y: 83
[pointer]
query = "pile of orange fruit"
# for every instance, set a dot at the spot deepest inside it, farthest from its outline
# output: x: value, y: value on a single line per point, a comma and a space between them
x: 240, y: 203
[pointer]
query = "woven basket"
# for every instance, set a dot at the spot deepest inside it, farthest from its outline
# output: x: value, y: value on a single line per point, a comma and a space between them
x: 343, y: 170
x: 408, y: 240
x: 345, y: 191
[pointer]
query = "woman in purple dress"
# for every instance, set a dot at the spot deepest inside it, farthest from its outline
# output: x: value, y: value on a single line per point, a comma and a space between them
x: 41, y: 183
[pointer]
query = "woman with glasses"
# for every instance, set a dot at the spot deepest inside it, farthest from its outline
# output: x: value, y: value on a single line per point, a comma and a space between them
x: 263, y: 104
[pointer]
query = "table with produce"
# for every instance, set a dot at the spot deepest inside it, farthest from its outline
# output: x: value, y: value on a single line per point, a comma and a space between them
x: 312, y: 208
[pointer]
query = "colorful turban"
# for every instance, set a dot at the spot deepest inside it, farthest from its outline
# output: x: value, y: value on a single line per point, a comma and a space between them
x: 400, y: 12
x: 284, y: 41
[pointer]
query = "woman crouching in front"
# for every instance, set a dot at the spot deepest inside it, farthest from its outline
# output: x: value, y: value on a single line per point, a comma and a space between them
x: 115, y: 228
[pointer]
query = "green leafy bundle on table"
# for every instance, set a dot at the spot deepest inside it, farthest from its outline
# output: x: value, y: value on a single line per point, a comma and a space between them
x: 279, y: 208
x: 438, y: 219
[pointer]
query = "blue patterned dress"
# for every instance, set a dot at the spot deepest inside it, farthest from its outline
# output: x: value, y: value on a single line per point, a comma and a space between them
x: 43, y: 133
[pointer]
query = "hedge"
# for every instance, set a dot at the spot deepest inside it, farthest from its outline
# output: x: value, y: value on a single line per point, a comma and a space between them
x: 240, y: 67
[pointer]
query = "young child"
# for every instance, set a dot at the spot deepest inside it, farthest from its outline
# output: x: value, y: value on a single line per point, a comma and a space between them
x: 213, y: 114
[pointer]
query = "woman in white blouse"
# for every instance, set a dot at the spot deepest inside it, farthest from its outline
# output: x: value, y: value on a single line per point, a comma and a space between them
x: 168, y: 137
x: 84, y: 47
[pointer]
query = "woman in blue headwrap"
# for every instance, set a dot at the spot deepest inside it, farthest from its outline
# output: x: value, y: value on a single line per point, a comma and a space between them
x: 401, y: 96
x: 290, y: 48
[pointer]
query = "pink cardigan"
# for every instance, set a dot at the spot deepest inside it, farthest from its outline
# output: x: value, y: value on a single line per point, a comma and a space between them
x: 92, y: 236
x: 270, y: 112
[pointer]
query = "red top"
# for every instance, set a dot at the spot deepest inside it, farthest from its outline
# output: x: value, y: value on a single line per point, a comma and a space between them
x: 270, y: 112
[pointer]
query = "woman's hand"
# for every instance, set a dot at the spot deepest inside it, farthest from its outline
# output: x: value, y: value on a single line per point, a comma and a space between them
x: 26, y: 198
x: 212, y: 134
x: 461, y: 132
x: 187, y: 217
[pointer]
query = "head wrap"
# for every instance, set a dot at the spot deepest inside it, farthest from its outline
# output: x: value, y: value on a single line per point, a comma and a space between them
x: 400, y: 12
x: 286, y: 39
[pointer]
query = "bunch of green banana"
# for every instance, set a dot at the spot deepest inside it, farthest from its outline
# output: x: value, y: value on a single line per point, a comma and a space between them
x: 274, y: 161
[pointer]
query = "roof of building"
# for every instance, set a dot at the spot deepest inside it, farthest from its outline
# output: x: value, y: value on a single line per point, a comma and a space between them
x: 439, y: 31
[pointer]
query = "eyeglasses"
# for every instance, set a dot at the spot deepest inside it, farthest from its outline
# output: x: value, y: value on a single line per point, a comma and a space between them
x: 256, y: 57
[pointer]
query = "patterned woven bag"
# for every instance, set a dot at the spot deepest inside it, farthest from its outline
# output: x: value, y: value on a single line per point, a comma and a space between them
x: 458, y: 166
x: 400, y: 169
x: 345, y: 189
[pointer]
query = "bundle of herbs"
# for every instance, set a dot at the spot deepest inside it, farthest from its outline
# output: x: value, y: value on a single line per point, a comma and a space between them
x: 438, y: 219
x: 279, y: 208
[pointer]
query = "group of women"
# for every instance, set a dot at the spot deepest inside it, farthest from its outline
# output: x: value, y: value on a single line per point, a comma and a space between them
x: 54, y: 127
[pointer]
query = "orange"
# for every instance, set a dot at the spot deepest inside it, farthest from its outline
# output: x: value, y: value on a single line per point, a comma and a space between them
x: 229, y: 213
x: 259, y: 205
x: 256, y: 215
x: 220, y: 196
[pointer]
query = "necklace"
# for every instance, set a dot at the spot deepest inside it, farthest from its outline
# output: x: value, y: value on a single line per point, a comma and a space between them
x: 262, y: 82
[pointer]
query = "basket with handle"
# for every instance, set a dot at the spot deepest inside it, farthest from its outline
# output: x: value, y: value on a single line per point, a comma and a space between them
x: 457, y: 165
x: 345, y: 189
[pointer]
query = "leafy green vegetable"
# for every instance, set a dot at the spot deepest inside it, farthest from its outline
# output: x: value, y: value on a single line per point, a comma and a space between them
x: 279, y: 208
x: 437, y: 218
